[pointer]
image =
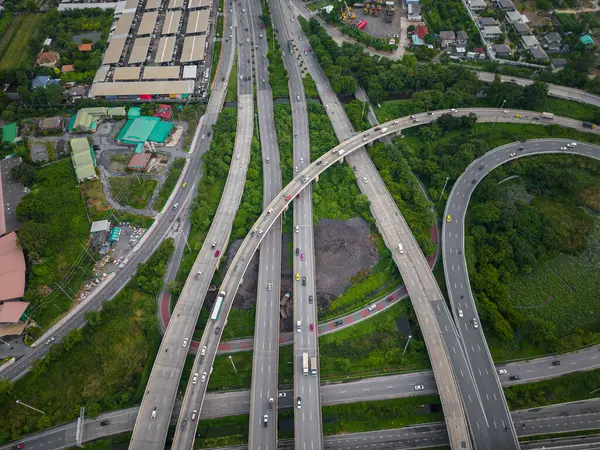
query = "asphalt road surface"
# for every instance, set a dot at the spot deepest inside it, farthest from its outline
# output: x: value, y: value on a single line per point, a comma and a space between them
x: 194, y: 395
x: 157, y: 404
x: 263, y: 417
x: 308, y: 431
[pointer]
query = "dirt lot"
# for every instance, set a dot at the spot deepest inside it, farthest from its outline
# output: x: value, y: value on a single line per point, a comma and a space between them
x: 342, y: 249
x: 378, y: 26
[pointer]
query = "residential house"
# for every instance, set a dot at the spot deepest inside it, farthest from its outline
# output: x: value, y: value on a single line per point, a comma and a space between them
x: 529, y: 42
x: 551, y: 42
x: 414, y: 12
x: 538, y: 54
x: 85, y: 47
x: 559, y: 63
x: 521, y: 28
x: 418, y: 36
x: 67, y: 68
x: 504, y: 5
x: 51, y: 123
x: 502, y: 50
x: 483, y: 22
x: 586, y: 40
x: 462, y: 37
x: 476, y: 5
x: 516, y: 16
x: 77, y: 92
x: 42, y: 81
x: 479, y: 52
x: 491, y: 32
x: 47, y: 59
x: 447, y: 38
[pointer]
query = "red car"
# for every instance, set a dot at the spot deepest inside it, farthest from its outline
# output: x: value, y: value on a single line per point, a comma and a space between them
x: 288, y: 197
x: 19, y: 446
x: 312, y: 327
x: 298, y: 195
x: 390, y: 298
x: 262, y: 26
x: 218, y: 252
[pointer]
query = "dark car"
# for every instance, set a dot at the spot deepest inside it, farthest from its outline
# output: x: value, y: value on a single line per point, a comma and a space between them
x: 389, y: 299
x: 339, y: 322
x: 556, y: 363
x: 303, y: 281
x: 310, y: 299
x: 105, y: 422
x: 217, y: 330
x: 514, y: 378
x: 297, y: 251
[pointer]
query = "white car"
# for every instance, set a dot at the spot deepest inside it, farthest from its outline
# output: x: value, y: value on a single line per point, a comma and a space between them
x: 365, y: 179
x: 460, y: 313
x: 513, y: 154
x: 154, y: 412
x: 185, y: 342
x: 563, y: 148
x: 573, y: 144
x: 195, y: 379
x: 203, y: 379
x: 50, y: 341
x: 175, y: 205
x: 502, y: 371
x: 269, y: 286
x: 297, y: 97
x: 327, y: 107
x: 203, y: 137
x: 475, y: 323
x: 281, y: 394
x: 506, y: 111
x: 203, y: 351
x: 419, y: 387
x: 297, y: 229
x: 452, y: 110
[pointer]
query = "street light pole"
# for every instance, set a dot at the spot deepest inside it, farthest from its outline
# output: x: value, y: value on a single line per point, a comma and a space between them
x: 19, y: 402
x: 406, y: 346
x: 501, y: 107
x: 234, y: 369
x: 444, y: 188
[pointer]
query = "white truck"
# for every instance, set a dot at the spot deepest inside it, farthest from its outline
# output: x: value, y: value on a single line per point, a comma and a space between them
x: 305, y: 363
x: 313, y: 366
x: 547, y: 115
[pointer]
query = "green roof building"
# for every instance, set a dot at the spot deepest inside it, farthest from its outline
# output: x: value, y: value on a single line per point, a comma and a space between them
x: 82, y: 159
x: 144, y: 129
x: 9, y: 133
x: 87, y: 119
x: 586, y: 39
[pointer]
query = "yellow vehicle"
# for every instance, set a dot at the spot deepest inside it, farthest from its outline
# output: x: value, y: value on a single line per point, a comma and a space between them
x: 184, y: 185
x: 517, y: 116
x: 448, y: 218
x: 297, y: 277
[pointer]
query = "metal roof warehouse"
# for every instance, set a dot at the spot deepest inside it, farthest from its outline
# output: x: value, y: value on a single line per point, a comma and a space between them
x: 161, y: 73
x: 165, y: 49
x: 124, y: 24
x: 193, y: 48
x: 140, y: 50
x: 171, y: 24
x: 148, y: 23
x: 113, y: 53
x: 197, y: 21
x: 127, y: 73
x: 143, y: 89
x: 198, y: 3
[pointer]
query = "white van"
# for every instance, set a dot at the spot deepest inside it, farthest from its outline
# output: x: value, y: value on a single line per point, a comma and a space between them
x: 299, y: 326
x: 400, y: 248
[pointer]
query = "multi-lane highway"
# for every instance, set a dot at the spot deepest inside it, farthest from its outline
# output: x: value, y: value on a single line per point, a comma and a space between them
x: 221, y: 225
x: 267, y: 219
x: 420, y: 283
x: 152, y: 422
x: 561, y: 418
x: 308, y: 433
x: 265, y: 357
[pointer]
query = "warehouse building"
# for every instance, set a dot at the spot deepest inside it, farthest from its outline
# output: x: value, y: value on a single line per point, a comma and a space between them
x: 194, y: 49
x: 82, y: 159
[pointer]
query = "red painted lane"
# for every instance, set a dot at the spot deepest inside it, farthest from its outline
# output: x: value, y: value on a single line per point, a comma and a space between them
x: 364, y: 313
x: 165, y: 311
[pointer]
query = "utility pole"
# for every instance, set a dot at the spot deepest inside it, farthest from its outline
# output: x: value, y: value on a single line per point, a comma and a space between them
x: 19, y: 402
x: 496, y: 118
x: 88, y: 253
x: 444, y: 188
x: 64, y: 292
x: 406, y: 346
x: 186, y: 241
x: 79, y: 431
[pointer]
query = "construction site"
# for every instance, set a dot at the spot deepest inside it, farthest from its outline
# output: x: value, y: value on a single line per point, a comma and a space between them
x: 380, y: 19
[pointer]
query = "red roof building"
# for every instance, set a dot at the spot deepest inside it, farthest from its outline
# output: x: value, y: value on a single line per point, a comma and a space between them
x: 479, y: 51
x: 85, y: 47
x: 12, y: 268
x: 67, y: 68
x: 139, y: 161
x: 163, y: 111
x: 47, y: 59
x: 421, y: 31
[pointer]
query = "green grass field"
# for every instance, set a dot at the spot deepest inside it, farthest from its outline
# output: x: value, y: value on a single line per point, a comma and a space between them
x: 134, y: 193
x: 9, y: 32
x: 169, y: 184
x: 17, y: 47
x: 232, y: 82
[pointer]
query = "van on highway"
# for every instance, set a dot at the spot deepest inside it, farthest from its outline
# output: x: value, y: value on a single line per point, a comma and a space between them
x: 154, y: 412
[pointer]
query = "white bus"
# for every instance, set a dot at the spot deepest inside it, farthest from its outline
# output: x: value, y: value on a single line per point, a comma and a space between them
x: 217, y: 308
